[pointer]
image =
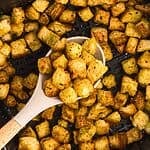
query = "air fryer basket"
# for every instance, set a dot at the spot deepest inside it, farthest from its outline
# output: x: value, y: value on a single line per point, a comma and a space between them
x: 29, y: 63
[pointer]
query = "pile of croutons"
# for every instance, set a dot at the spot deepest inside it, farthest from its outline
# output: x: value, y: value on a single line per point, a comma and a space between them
x: 73, y: 71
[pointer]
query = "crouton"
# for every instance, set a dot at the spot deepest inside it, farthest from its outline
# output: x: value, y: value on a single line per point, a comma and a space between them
x: 82, y: 3
x: 147, y: 92
x: 40, y: 5
x: 44, y: 19
x: 4, y: 89
x: 143, y: 77
x: 144, y: 45
x: 86, y: 145
x: 31, y: 26
x: 5, y: 50
x: 48, y: 113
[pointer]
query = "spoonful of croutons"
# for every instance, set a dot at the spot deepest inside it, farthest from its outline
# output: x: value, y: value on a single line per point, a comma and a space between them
x: 65, y: 76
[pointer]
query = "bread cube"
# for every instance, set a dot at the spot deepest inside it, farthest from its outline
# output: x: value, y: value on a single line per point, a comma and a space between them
x: 4, y: 77
x: 131, y: 45
x: 129, y: 86
x: 130, y: 66
x: 31, y: 26
x: 5, y: 50
x: 17, y: 29
x: 118, y: 9
x: 44, y: 19
x: 28, y: 132
x: 64, y: 147
x: 82, y: 111
x: 147, y: 92
x: 4, y: 89
x: 143, y: 77
x: 101, y: 2
x: 144, y: 45
x: 86, y: 145
x: 40, y: 5
x: 10, y: 70
x: 63, y: 123
x: 62, y: 1
x: 140, y: 120
x: 67, y: 16
x: 43, y: 129
x: 82, y: 3
x: 102, y: 16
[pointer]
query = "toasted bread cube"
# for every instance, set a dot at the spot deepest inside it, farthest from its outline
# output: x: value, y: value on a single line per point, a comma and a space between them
x: 74, y: 105
x: 44, y: 19
x: 85, y: 14
x: 143, y: 28
x: 82, y: 111
x: 109, y: 81
x: 82, y: 3
x: 40, y: 5
x: 68, y: 16
x: 86, y: 133
x: 54, y: 55
x: 32, y: 41
x: 64, y: 147
x: 113, y: 118
x: 101, y: 2
x: 133, y: 135
x: 4, y: 89
x: 140, y: 119
x: 130, y: 66
x: 100, y: 34
x: 28, y: 143
x: 120, y: 100
x: 17, y: 83
x: 144, y: 60
x: 59, y: 28
x: 60, y: 45
x: 118, y: 9
x: 5, y: 27
x: 49, y: 143
x: 17, y: 29
x: 28, y: 132
x: 43, y: 129
x: 98, y: 111
x: 102, y: 16
x: 32, y: 14
x: 131, y: 45
x: 5, y: 50
x: 7, y: 37
x: 101, y: 143
x: 55, y: 10
x: 60, y: 134
x: 102, y: 127
x: 63, y: 123
x: 144, y: 45
x: 116, y: 24
x: 48, y: 113
x: 31, y: 26
x: 128, y: 110
x: 48, y: 37
x: 30, y: 81
x: 62, y: 1
x: 96, y: 70
x: 18, y: 15
x: 18, y: 48
x: 132, y: 31
x: 86, y: 145
x: 68, y: 114
x: 129, y: 85
x: 9, y: 69
x: 131, y: 15
x: 4, y: 77
x: 107, y: 51
x: 147, y: 92
x: 143, y: 77
x: 105, y: 98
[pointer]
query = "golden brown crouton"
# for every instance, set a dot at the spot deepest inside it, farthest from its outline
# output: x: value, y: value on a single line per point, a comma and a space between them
x: 17, y: 29
x: 82, y: 111
x: 28, y: 132
x: 64, y: 146
x: 63, y: 123
x: 147, y: 92
x: 62, y: 1
x: 17, y: 83
x: 48, y: 113
x: 5, y: 50
x: 31, y: 26
x: 144, y: 45
x: 86, y: 146
x: 4, y: 77
x: 143, y: 77
x: 10, y: 101
x: 40, y: 5
x: 44, y: 19
x: 82, y: 3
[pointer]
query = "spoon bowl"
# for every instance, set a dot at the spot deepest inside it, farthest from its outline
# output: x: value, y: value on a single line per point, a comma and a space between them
x: 38, y: 102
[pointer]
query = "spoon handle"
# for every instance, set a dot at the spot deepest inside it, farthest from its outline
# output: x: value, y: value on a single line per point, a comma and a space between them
x: 8, y: 131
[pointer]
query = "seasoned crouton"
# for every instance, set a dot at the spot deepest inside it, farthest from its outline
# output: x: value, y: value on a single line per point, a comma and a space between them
x: 48, y: 113
x: 131, y: 15
x: 64, y: 147
x: 31, y: 26
x: 143, y: 77
x: 118, y: 9
x: 47, y: 36
x: 7, y: 37
x: 49, y: 143
x: 86, y: 145
x: 59, y: 28
x: 131, y: 45
x: 10, y: 101
x: 129, y: 85
x: 4, y: 89
x: 129, y: 66
x: 144, y: 60
x: 32, y: 14
x: 144, y: 45
x: 133, y: 135
x: 60, y: 45
x: 85, y: 14
x: 116, y: 24
x: 43, y: 129
x: 109, y: 81
x: 5, y: 50
x: 40, y: 5
x: 82, y: 3
x: 17, y: 29
x: 100, y: 34
x: 60, y: 134
x: 4, y: 77
x: 28, y: 132
x: 44, y: 19
x: 68, y: 114
x: 32, y: 41
x: 101, y: 2
x: 62, y: 1
x: 18, y: 48
x: 140, y: 119
x: 18, y: 15
x: 102, y: 17
x: 54, y: 55
x: 147, y: 92
x: 82, y: 111
x: 55, y: 10
x: 101, y: 143
x: 74, y: 105
x: 102, y: 127
x: 68, y: 16
x: 10, y: 70
x: 44, y: 65
x: 86, y: 133
x: 63, y: 123
x: 105, y: 98
x: 17, y: 83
